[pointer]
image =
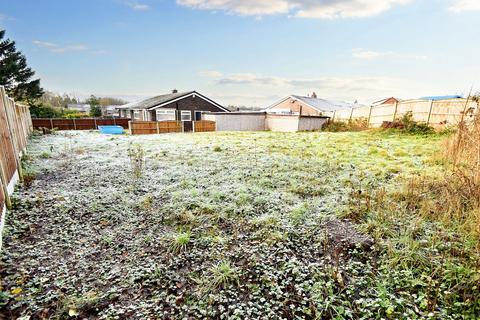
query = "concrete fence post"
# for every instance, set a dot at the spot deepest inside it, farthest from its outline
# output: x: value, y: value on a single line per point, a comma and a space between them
x: 369, y: 116
x: 395, y: 112
x: 130, y: 126
x: 158, y: 127
x: 95, y: 122
x: 51, y: 123
x: 74, y: 124
x: 430, y: 112
x: 193, y: 126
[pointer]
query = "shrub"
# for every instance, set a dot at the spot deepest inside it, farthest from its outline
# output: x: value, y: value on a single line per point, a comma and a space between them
x: 351, y: 125
x: 408, y: 125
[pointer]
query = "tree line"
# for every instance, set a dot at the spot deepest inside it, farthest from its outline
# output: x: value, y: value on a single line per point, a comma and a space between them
x: 21, y: 84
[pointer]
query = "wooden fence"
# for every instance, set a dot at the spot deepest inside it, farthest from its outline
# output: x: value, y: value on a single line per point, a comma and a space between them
x: 438, y: 113
x: 79, y: 124
x: 15, y: 127
x: 154, y: 127
x: 204, y: 126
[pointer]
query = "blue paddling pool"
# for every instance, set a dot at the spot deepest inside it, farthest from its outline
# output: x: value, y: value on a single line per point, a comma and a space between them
x: 111, y: 129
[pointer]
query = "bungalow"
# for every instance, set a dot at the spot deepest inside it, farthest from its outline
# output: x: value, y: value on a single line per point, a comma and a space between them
x: 181, y: 106
x: 307, y: 106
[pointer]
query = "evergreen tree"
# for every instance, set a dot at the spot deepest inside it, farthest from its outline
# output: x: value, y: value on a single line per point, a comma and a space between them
x: 15, y: 75
x: 95, y: 109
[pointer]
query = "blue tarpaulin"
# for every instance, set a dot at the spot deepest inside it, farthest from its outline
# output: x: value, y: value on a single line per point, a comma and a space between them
x: 435, y: 98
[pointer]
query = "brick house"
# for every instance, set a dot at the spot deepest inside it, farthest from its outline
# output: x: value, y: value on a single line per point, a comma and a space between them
x: 181, y: 106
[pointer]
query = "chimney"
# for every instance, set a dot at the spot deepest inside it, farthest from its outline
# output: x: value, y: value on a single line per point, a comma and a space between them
x: 174, y: 91
x: 314, y: 95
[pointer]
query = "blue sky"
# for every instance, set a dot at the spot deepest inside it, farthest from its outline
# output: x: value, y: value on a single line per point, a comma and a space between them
x: 250, y: 52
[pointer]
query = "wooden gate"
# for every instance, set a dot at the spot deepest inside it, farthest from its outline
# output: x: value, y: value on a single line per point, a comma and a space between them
x: 204, y: 126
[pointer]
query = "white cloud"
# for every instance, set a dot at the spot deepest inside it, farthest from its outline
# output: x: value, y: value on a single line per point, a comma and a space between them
x: 318, y: 9
x: 56, y: 48
x: 135, y: 5
x: 464, y: 5
x: 347, y: 88
x: 364, y: 54
x: 53, y: 47
x: 139, y: 6
x: 210, y: 74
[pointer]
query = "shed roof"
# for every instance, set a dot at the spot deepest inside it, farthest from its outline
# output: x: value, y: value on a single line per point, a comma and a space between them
x: 435, y: 98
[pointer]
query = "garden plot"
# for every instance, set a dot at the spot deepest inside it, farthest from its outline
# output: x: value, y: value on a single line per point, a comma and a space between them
x: 214, y: 225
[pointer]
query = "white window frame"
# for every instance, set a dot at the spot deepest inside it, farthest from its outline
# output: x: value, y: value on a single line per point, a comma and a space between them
x: 170, y: 112
x: 185, y: 112
x: 137, y: 115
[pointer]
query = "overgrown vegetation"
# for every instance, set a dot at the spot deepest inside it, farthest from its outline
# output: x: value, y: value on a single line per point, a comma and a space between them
x: 322, y: 225
x: 344, y: 126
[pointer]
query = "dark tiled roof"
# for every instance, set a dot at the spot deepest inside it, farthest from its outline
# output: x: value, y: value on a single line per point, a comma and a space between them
x: 155, y: 101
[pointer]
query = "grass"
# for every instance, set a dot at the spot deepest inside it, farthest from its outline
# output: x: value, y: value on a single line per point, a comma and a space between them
x: 241, y: 225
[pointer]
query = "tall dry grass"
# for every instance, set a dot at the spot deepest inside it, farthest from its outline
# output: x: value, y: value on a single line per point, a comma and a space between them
x: 458, y: 193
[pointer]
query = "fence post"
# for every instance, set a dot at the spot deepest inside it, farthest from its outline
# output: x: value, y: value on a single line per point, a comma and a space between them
x: 395, y: 112
x: 51, y: 123
x: 158, y: 128
x: 369, y: 116
x: 193, y: 126
x: 4, y: 183
x: 351, y: 115
x: 74, y: 124
x: 95, y: 122
x: 430, y: 112
x: 130, y: 126
x: 114, y: 123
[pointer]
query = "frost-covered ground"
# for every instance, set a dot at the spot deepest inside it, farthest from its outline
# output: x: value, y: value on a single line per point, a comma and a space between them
x: 215, y: 225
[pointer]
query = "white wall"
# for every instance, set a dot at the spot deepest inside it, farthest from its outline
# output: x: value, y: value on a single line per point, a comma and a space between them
x: 237, y: 121
x: 282, y: 123
x: 311, y: 123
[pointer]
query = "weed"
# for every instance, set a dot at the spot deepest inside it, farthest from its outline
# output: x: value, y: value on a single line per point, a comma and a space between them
x: 137, y: 160
x: 180, y: 241
x: 223, y: 274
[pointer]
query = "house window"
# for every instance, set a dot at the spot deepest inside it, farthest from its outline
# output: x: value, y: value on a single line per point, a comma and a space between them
x: 164, y: 115
x: 198, y: 115
x: 186, y: 115
x: 137, y: 115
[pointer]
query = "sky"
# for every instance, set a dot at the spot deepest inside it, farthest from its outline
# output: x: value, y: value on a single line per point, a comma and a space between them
x: 250, y: 52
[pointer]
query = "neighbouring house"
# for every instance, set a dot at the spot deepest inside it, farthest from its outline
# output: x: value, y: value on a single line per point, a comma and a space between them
x: 110, y: 111
x: 307, y: 106
x: 80, y: 107
x: 391, y: 100
x: 180, y: 106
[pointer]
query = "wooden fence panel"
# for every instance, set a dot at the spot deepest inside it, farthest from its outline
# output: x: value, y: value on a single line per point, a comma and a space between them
x: 204, y: 126
x: 14, y: 130
x: 154, y: 127
x: 8, y: 164
x: 78, y: 124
